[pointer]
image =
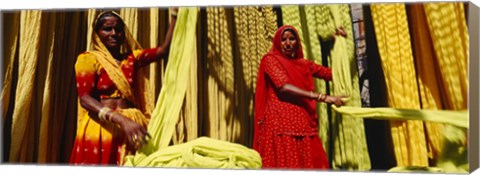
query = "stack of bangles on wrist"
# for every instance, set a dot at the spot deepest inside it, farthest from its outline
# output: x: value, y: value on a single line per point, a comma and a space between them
x: 103, y: 114
x: 321, y: 97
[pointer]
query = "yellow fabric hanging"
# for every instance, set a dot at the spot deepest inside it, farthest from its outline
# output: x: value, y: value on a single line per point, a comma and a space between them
x: 428, y: 72
x: 393, y: 40
x: 449, y: 33
x: 10, y: 42
x: 228, y: 75
x: 220, y: 77
x: 41, y: 133
x: 203, y: 152
x: 23, y: 116
x: 254, y: 30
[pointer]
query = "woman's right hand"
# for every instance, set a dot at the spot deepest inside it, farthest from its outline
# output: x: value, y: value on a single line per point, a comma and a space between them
x: 135, y: 134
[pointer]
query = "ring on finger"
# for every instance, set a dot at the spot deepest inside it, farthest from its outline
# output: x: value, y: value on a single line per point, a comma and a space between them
x: 135, y: 137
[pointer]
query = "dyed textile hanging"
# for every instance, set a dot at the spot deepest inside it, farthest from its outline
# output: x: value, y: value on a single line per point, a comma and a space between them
x: 349, y: 134
x: 236, y: 40
x: 39, y: 89
x: 169, y: 103
x: 393, y: 40
x: 449, y: 33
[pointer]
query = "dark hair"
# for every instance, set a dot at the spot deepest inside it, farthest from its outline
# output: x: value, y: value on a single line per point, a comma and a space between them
x: 292, y: 31
x: 102, y: 17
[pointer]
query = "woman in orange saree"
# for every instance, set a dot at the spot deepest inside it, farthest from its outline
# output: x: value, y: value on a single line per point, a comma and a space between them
x: 113, y: 111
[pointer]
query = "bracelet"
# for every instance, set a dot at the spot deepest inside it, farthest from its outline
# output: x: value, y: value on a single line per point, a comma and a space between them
x: 311, y: 94
x: 103, y: 113
x: 324, y: 97
x: 319, y: 96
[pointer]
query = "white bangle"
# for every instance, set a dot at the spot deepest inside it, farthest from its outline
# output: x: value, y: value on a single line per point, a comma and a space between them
x: 103, y: 112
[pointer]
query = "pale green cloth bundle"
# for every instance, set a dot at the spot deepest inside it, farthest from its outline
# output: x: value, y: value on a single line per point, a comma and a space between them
x: 203, y: 152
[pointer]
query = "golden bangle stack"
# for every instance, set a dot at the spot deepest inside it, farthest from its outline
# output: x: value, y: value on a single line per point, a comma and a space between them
x: 103, y: 114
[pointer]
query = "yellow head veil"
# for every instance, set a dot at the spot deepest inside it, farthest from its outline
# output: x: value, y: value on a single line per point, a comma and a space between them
x: 140, y: 97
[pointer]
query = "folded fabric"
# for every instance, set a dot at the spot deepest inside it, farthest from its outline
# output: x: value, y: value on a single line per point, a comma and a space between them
x: 203, y: 152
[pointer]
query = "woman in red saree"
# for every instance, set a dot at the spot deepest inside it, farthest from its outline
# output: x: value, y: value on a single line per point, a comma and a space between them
x: 286, y: 122
x: 114, y: 108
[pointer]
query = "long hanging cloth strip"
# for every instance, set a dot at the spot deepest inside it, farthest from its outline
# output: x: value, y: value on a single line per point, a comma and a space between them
x: 393, y: 40
x: 440, y: 42
x: 449, y: 33
x: 199, y: 153
x: 254, y: 30
x: 350, y: 147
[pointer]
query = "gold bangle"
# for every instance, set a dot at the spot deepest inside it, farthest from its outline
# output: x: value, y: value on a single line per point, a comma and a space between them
x: 103, y: 112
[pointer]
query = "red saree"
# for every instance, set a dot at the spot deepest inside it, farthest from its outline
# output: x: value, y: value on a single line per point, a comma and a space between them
x: 286, y: 127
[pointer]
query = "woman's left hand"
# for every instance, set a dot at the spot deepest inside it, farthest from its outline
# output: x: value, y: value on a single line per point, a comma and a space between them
x: 340, y: 31
x: 336, y: 100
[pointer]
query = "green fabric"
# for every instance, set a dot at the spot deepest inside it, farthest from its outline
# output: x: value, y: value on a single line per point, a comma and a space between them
x: 350, y: 150
x: 203, y: 152
x: 168, y: 106
x: 170, y: 101
x: 457, y: 118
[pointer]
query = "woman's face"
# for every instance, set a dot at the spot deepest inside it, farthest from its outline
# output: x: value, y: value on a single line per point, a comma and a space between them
x: 111, y: 33
x: 289, y: 44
